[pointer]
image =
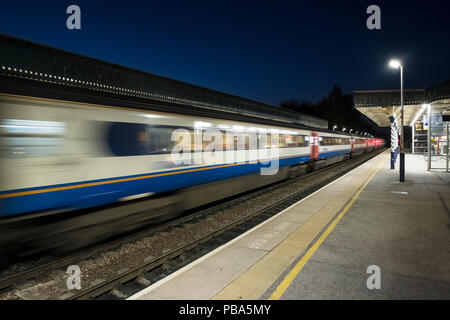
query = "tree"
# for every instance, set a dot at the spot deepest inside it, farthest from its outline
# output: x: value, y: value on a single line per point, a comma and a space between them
x: 338, y: 108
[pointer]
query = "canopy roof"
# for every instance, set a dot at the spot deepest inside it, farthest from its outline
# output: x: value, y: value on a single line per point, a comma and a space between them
x: 378, y: 105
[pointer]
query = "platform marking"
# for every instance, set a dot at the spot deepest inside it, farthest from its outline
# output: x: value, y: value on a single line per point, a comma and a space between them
x: 179, y: 272
x: 142, y: 294
x: 284, y: 285
x: 399, y: 192
x: 256, y: 280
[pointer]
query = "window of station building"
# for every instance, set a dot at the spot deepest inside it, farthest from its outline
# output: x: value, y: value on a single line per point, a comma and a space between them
x: 31, y: 138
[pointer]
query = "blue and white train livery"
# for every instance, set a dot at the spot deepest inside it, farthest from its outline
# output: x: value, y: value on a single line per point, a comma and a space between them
x: 64, y: 155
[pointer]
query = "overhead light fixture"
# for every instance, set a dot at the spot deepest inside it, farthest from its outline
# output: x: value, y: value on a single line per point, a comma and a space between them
x: 395, y: 64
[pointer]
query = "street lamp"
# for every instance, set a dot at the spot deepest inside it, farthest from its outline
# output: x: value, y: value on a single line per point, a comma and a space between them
x: 395, y: 64
x: 343, y: 130
x: 335, y: 127
x: 351, y: 130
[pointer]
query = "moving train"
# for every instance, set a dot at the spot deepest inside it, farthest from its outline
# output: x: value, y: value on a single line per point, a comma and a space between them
x: 60, y: 156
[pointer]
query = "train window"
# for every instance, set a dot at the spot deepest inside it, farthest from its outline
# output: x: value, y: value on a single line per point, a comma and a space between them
x: 291, y: 141
x: 157, y: 139
x: 229, y: 141
x: 31, y: 138
x: 301, y: 141
x: 334, y: 141
x: 284, y: 141
x: 182, y: 139
x: 272, y: 140
x: 264, y: 141
x: 134, y: 139
x: 326, y: 141
x: 18, y: 147
x: 213, y: 139
x: 247, y: 139
x: 281, y: 141
x: 196, y: 140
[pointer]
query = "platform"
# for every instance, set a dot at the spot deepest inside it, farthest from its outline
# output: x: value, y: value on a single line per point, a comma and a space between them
x: 322, y: 246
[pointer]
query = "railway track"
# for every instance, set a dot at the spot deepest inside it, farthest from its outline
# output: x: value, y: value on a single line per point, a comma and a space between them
x: 144, y: 273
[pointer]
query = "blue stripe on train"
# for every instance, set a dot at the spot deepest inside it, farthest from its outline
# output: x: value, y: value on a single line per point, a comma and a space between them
x: 85, y: 197
x: 331, y: 154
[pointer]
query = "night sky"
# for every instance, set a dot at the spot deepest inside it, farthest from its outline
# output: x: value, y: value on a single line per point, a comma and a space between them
x: 265, y: 50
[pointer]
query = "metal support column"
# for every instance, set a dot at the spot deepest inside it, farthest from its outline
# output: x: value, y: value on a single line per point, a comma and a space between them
x: 429, y: 138
x: 448, y: 147
x: 402, y: 137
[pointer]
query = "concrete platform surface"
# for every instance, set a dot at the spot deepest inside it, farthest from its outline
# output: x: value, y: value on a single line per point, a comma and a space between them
x: 322, y: 247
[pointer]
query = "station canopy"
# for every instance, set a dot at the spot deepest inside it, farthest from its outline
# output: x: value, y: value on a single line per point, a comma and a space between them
x: 379, y: 105
x: 25, y: 59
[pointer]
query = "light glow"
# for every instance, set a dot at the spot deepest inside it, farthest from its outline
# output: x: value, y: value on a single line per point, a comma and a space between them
x: 238, y: 128
x: 419, y: 114
x: 395, y: 64
x: 154, y: 116
x: 201, y: 124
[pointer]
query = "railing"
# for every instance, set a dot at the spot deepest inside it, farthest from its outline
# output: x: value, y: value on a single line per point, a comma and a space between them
x: 38, y: 62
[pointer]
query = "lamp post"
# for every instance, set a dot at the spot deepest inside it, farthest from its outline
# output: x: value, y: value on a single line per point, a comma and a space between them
x: 343, y: 130
x: 335, y: 127
x: 396, y: 65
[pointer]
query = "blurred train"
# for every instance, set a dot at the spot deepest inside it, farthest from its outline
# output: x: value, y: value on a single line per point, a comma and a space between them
x: 59, y: 157
x: 64, y: 155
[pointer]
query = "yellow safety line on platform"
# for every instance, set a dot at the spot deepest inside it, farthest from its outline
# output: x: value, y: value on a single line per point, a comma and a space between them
x: 284, y: 285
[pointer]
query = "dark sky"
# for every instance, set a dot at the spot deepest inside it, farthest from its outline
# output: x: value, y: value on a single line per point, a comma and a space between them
x: 265, y: 50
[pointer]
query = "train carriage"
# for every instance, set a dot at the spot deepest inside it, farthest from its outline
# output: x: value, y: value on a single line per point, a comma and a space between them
x: 62, y: 155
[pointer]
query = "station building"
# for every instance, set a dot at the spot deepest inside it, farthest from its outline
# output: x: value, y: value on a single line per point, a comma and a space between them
x: 426, y: 111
